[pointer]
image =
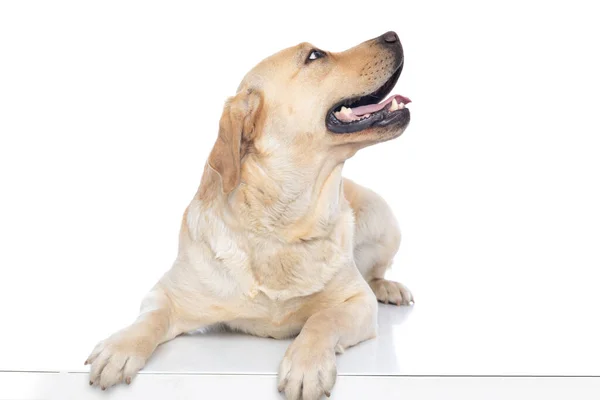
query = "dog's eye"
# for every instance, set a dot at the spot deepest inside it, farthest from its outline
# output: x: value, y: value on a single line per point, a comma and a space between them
x: 314, y: 54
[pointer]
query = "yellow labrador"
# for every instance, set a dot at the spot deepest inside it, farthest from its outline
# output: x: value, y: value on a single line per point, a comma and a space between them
x: 275, y: 242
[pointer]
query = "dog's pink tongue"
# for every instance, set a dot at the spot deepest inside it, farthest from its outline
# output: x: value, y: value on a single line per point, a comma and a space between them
x: 371, y: 108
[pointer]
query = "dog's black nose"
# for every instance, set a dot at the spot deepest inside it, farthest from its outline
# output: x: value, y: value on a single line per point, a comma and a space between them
x: 390, y: 37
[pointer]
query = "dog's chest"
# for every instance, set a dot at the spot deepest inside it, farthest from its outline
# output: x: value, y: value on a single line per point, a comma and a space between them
x: 239, y: 268
x: 284, y: 278
x: 258, y: 274
x: 285, y: 271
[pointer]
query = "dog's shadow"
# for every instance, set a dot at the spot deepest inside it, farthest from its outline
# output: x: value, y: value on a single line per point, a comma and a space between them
x: 381, y: 355
x: 220, y: 350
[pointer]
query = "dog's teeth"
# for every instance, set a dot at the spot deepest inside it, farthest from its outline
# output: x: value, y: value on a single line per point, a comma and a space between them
x: 394, y: 105
x: 401, y: 106
x: 346, y: 111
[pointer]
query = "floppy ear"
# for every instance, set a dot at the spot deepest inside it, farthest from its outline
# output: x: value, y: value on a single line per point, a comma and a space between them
x: 236, y: 131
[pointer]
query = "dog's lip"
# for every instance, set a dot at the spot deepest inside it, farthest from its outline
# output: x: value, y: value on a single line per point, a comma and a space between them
x: 378, y: 119
x: 377, y: 113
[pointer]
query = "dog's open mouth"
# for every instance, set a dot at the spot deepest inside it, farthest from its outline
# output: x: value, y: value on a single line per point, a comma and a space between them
x: 360, y: 113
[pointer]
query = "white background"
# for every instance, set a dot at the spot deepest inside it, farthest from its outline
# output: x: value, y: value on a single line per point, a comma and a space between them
x: 108, y: 111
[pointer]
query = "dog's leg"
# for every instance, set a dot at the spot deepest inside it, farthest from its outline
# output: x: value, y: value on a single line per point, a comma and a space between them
x: 308, y: 368
x: 376, y: 242
x: 119, y: 357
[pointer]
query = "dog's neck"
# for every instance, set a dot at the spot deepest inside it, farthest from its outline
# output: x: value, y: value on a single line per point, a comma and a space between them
x: 297, y: 201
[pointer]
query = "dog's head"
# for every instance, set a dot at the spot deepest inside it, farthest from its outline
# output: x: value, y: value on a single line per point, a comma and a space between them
x: 308, y: 104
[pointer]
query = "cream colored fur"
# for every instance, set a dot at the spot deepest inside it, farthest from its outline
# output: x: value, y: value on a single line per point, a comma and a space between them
x: 276, y: 243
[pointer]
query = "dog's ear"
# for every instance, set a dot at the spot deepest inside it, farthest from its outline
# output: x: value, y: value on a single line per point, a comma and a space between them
x: 236, y: 132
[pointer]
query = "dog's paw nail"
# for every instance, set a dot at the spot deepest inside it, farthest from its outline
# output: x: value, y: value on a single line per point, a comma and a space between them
x: 91, y: 383
x: 103, y: 387
x: 328, y: 393
x: 128, y: 380
x: 86, y: 362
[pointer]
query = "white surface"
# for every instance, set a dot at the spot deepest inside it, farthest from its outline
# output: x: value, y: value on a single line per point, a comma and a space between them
x: 411, y: 341
x: 108, y: 111
x: 29, y: 386
x: 418, y: 340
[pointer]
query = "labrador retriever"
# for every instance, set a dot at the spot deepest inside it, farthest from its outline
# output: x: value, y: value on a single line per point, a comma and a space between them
x: 276, y: 243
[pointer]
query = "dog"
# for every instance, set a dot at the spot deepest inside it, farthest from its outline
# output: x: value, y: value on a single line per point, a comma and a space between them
x: 275, y: 242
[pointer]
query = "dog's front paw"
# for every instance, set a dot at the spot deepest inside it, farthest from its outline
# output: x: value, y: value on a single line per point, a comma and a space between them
x: 119, y: 357
x: 307, y: 371
x: 391, y: 292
